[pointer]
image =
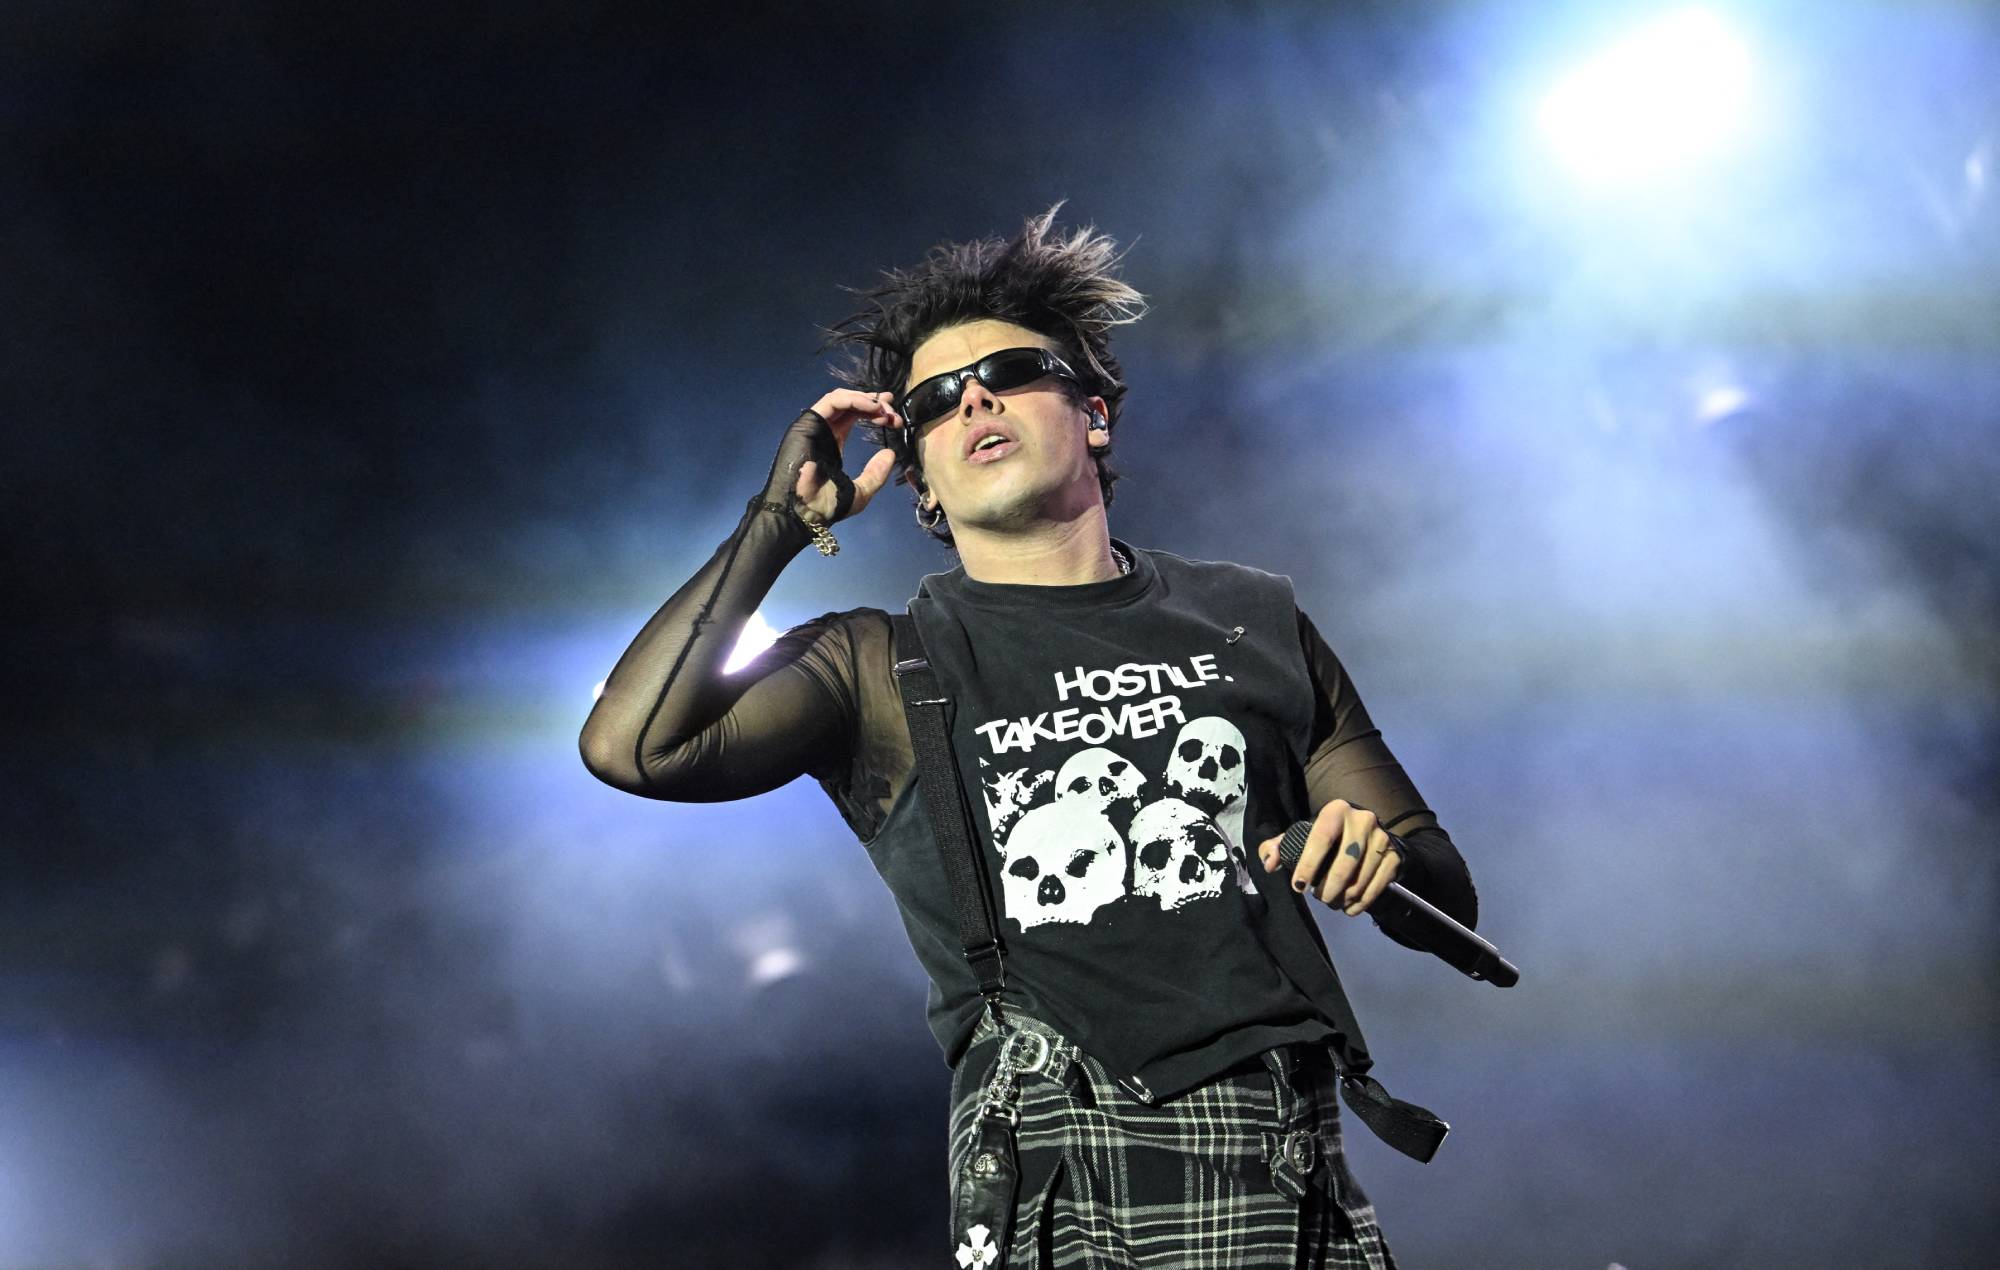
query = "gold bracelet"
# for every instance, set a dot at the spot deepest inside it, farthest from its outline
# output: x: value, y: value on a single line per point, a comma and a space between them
x: 822, y: 536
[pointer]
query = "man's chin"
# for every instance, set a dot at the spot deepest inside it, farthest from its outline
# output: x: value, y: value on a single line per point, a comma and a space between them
x: 1009, y: 518
x: 1023, y: 511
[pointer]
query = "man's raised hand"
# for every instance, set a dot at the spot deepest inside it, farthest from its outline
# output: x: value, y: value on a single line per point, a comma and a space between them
x: 841, y: 410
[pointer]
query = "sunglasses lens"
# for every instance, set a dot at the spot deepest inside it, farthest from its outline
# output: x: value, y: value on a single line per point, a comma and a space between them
x: 932, y: 398
x: 1010, y: 369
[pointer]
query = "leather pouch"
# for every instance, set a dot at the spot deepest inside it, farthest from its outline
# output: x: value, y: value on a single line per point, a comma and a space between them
x: 983, y: 1194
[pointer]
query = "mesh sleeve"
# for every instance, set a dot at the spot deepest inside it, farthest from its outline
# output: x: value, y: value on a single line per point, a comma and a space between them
x: 671, y: 724
x: 821, y: 701
x: 1348, y: 759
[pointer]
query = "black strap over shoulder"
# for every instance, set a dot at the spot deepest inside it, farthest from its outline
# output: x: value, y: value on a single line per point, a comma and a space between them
x: 927, y: 709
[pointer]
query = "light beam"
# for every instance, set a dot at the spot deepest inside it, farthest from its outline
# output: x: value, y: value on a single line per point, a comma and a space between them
x: 1674, y: 92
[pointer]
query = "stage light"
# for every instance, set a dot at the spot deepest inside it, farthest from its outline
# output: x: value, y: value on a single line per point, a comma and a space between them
x: 768, y: 943
x: 757, y: 636
x: 774, y: 964
x: 1675, y: 91
x: 1719, y: 403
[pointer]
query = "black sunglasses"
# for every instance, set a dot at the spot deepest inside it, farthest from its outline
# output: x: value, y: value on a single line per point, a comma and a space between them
x: 1009, y: 368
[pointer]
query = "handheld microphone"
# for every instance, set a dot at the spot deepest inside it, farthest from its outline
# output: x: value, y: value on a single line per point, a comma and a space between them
x: 1422, y: 923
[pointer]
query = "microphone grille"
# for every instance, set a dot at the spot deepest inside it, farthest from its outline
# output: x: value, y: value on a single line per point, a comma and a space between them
x: 1293, y: 845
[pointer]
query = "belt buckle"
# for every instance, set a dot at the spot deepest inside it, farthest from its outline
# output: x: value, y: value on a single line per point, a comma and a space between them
x: 1041, y: 1059
x: 1303, y: 1149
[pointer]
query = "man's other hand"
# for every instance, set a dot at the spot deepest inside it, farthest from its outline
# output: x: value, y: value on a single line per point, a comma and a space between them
x: 1348, y: 859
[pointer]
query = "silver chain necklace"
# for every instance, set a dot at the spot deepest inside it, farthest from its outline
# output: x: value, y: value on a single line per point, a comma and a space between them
x: 1124, y: 565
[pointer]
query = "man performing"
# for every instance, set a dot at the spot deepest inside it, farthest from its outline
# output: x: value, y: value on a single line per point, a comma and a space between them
x: 1132, y: 730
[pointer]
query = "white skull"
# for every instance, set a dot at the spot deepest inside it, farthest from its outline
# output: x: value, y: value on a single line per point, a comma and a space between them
x: 1063, y: 862
x: 1179, y: 855
x: 1206, y: 768
x: 1103, y: 779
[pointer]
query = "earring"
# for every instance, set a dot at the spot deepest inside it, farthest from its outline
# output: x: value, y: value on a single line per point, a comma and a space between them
x: 937, y: 516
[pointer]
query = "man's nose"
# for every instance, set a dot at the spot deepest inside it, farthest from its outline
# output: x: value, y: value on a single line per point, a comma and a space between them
x: 975, y: 397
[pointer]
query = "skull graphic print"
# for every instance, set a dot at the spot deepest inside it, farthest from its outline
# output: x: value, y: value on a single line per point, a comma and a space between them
x: 1178, y: 854
x: 1063, y: 861
x: 1207, y: 771
x: 1119, y: 800
x: 1105, y: 780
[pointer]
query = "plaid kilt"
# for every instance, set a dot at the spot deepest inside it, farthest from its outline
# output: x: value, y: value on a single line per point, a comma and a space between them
x: 1245, y: 1170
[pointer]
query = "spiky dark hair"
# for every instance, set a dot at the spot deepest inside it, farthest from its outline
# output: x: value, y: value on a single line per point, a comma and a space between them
x: 1062, y: 288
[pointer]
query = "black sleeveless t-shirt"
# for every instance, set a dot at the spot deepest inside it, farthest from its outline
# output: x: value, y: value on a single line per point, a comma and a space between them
x: 1124, y: 746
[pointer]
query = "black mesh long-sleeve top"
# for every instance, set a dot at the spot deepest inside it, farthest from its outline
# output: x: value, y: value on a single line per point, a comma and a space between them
x: 1121, y: 769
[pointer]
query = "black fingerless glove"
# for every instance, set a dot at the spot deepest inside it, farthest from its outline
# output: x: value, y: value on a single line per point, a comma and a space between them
x: 809, y: 438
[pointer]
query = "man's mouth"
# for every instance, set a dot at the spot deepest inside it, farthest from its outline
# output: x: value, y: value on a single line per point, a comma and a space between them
x: 990, y: 446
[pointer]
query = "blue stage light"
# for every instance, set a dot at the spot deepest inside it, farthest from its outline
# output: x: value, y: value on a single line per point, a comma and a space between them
x: 757, y: 636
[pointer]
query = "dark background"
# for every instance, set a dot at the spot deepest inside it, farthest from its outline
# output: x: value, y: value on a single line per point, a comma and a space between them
x: 371, y: 372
